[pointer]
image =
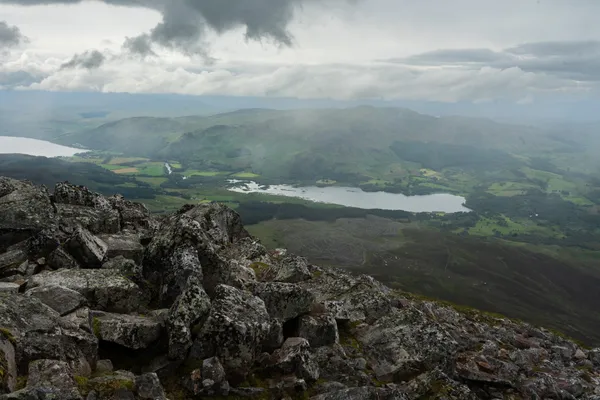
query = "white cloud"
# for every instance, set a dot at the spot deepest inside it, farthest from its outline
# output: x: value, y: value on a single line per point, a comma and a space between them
x: 335, y: 46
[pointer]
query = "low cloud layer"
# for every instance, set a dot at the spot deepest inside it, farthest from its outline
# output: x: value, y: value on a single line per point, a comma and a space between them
x: 576, y: 60
x: 10, y: 35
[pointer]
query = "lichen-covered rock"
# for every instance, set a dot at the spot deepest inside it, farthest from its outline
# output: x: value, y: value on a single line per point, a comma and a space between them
x: 134, y: 216
x: 187, y: 244
x: 403, y: 344
x: 61, y: 299
x: 292, y: 269
x: 124, y: 244
x: 92, y: 219
x: 36, y: 332
x: 435, y: 384
x: 350, y: 298
x: 148, y: 386
x: 234, y: 331
x: 25, y: 209
x: 8, y: 287
x: 213, y: 370
x: 295, y: 357
x: 363, y: 393
x: 12, y: 260
x: 87, y: 249
x: 54, y: 379
x: 104, y: 289
x: 128, y: 268
x: 133, y: 332
x: 118, y: 385
x: 8, y: 365
x: 319, y: 330
x: 190, y: 308
x: 284, y: 301
x: 60, y: 259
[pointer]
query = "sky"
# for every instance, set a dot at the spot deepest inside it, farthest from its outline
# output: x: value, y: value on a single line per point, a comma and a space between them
x: 523, y: 51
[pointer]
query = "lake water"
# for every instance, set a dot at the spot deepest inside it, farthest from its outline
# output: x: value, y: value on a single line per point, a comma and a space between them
x: 354, y: 197
x: 34, y: 147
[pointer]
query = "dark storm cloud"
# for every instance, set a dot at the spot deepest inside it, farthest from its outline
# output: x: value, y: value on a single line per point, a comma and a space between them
x: 575, y: 60
x: 186, y: 21
x: 10, y: 35
x: 90, y: 60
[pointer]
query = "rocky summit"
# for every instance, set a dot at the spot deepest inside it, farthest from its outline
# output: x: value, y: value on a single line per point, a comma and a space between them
x: 101, y: 300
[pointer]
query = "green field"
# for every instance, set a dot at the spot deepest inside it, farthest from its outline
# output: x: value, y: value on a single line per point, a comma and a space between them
x: 245, y: 175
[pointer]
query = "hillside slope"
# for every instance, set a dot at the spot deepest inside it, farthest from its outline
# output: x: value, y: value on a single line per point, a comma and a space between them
x: 191, y: 306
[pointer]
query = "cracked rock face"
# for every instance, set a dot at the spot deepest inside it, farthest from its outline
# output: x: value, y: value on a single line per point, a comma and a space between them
x: 190, y: 306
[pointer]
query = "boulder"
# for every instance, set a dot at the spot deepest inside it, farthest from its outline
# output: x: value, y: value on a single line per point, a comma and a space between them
x: 284, y: 301
x: 294, y: 357
x: 134, y: 332
x: 213, y: 369
x: 12, y: 260
x: 104, y: 367
x: 292, y: 269
x: 119, y: 385
x: 124, y: 244
x: 319, y: 330
x: 104, y: 289
x: 594, y: 357
x: 52, y: 377
x: 401, y: 345
x: 25, y: 209
x: 134, y: 216
x: 95, y: 220
x: 8, y: 287
x: 362, y: 393
x: 148, y: 386
x: 8, y: 365
x: 234, y: 331
x: 350, y: 298
x: 60, y: 259
x: 86, y: 248
x: 187, y: 244
x: 128, y: 268
x: 66, y: 193
x: 61, y: 299
x: 190, y: 308
x: 36, y: 332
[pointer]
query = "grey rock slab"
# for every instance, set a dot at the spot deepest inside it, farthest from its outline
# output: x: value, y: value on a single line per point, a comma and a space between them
x: 191, y: 307
x: 295, y: 357
x: 134, y: 332
x: 61, y: 299
x: 8, y: 287
x: 87, y: 249
x: 105, y: 289
x: 36, y: 332
x: 60, y: 259
x: 148, y: 386
x: 54, y: 377
x: 319, y: 330
x: 234, y: 331
x: 284, y: 301
x: 126, y: 245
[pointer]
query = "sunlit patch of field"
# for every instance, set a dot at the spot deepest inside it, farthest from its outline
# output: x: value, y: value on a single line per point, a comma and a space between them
x: 126, y: 171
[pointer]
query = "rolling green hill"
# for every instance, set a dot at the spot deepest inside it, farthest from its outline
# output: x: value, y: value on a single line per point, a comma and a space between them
x: 359, y: 145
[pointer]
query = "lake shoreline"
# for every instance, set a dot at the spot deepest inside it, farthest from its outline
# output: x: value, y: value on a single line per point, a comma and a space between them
x: 358, y: 198
x: 36, y: 147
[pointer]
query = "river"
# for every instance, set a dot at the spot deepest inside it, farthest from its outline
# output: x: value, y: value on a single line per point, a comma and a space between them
x: 354, y: 197
x: 34, y: 147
